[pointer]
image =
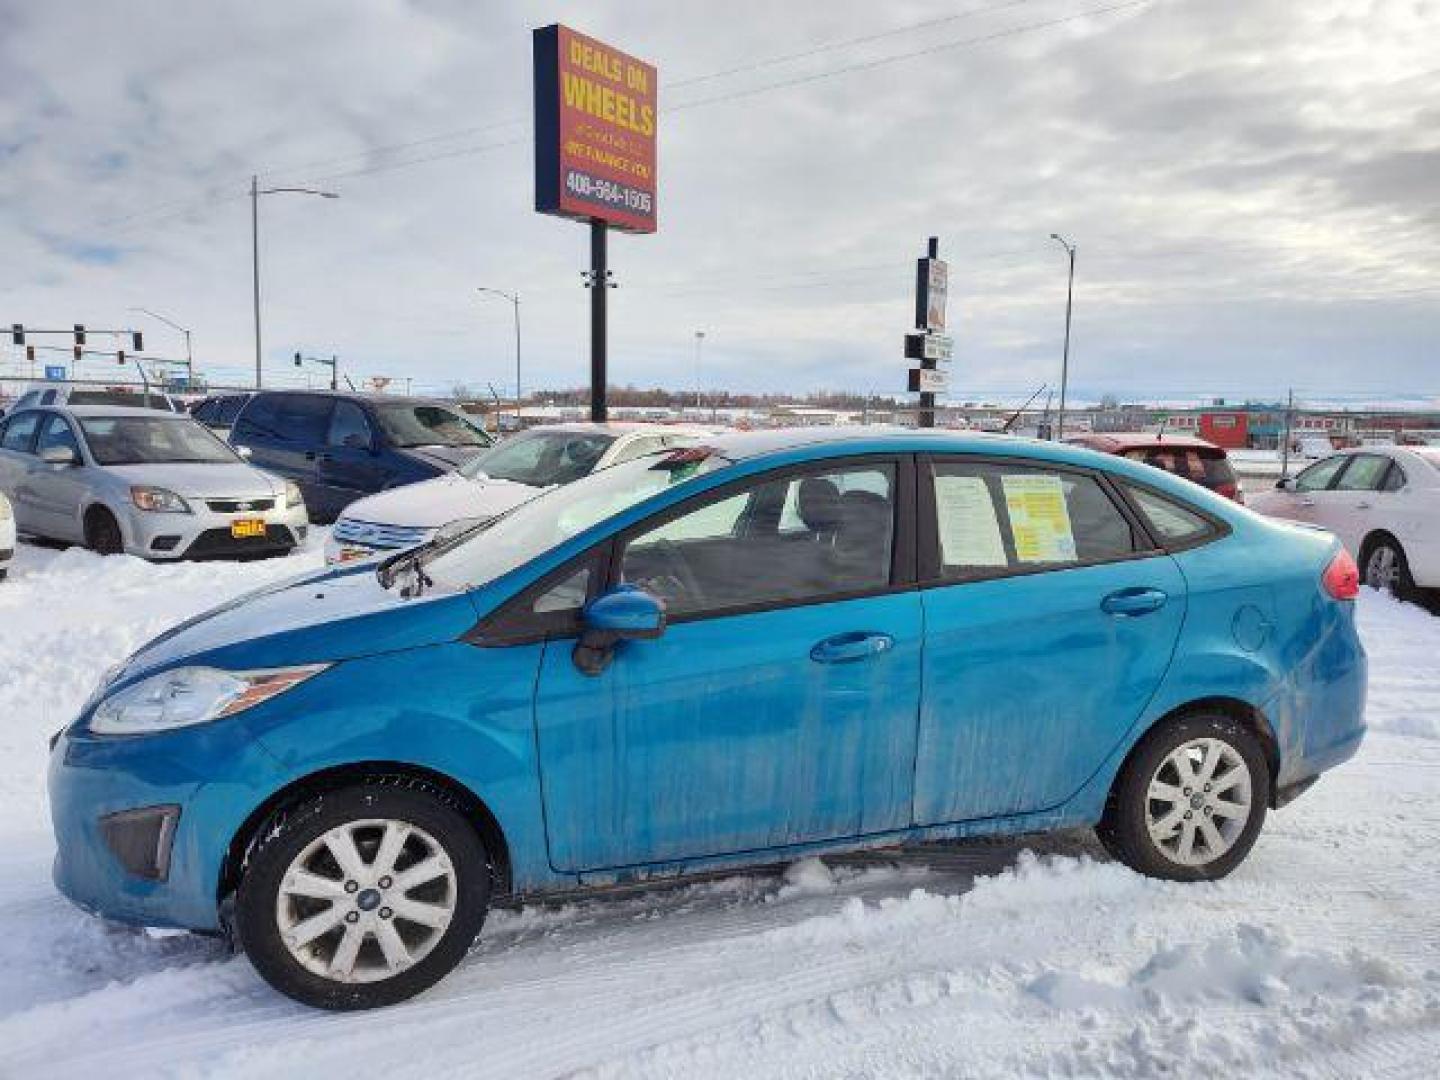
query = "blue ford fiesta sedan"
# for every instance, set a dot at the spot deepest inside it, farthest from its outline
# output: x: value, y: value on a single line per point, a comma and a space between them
x: 780, y: 643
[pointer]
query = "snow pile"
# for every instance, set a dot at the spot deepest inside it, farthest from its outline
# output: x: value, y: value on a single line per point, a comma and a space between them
x: 1404, y: 682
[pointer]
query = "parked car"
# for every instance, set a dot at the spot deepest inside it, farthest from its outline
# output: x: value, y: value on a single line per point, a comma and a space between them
x: 218, y: 411
x: 7, y: 536
x: 49, y: 393
x: 142, y: 481
x: 1195, y: 459
x: 495, y: 480
x: 340, y: 446
x: 782, y: 643
x: 1383, y: 502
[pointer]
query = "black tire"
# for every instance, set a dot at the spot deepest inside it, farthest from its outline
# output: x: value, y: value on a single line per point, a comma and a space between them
x: 289, y: 834
x: 1372, y: 552
x: 102, y: 532
x: 1124, y: 828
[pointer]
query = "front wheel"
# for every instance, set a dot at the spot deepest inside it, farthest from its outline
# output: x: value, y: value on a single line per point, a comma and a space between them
x: 1189, y: 803
x: 363, y: 897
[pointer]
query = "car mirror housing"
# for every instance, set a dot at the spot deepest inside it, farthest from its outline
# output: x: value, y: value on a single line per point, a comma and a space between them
x: 626, y: 613
x: 59, y: 455
x: 1285, y: 483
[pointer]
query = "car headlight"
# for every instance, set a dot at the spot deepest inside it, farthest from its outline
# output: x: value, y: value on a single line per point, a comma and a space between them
x: 159, y: 500
x: 293, y: 496
x: 192, y: 695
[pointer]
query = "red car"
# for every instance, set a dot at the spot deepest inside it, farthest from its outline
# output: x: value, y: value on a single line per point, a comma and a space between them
x: 1184, y: 455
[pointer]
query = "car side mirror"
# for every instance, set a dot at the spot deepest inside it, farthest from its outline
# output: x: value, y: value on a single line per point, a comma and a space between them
x: 1285, y: 483
x: 59, y: 455
x: 626, y: 613
x: 244, y: 451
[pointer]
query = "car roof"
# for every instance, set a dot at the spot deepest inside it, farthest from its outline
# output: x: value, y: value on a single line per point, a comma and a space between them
x: 369, y: 397
x: 1114, y: 441
x: 84, y: 412
x: 748, y: 444
x: 622, y: 427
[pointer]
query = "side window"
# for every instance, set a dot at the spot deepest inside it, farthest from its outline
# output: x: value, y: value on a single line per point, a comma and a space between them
x: 302, y: 418
x: 348, y: 426
x: 1394, y: 479
x: 1171, y: 522
x: 568, y: 594
x: 842, y: 547
x: 57, y: 432
x: 1364, y: 474
x: 47, y: 398
x: 1318, y: 476
x: 258, y: 419
x: 552, y: 607
x: 20, y: 432
x: 994, y: 518
x: 204, y: 412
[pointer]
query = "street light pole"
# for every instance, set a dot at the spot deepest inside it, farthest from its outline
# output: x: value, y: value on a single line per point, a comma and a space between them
x: 255, y: 192
x: 699, y: 344
x: 1065, y: 357
x: 189, y: 355
x: 514, y: 299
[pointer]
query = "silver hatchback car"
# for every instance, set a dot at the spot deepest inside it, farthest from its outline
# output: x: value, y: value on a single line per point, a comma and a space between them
x: 143, y: 481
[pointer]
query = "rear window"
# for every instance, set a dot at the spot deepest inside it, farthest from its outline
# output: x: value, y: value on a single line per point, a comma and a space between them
x: 1201, y: 465
x: 118, y: 397
x: 1172, y: 522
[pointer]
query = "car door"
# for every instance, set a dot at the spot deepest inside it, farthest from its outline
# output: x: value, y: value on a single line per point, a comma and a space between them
x: 285, y: 434
x: 779, y: 705
x: 1307, y: 498
x: 349, y: 462
x: 1050, y: 620
x: 17, y: 445
x: 1349, y: 504
x: 57, y: 492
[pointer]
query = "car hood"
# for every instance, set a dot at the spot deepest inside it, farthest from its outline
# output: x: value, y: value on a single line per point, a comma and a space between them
x: 222, y: 479
x: 325, y: 616
x: 432, y: 503
x: 442, y: 456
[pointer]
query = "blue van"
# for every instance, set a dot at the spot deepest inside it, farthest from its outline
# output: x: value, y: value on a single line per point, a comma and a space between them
x: 782, y: 643
x: 341, y: 446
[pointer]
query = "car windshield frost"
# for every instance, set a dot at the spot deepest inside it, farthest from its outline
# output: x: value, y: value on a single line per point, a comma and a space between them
x: 541, y: 458
x: 539, y: 525
x: 428, y: 425
x: 150, y: 440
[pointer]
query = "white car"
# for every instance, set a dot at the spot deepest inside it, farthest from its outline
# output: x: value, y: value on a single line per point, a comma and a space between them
x: 7, y: 536
x: 1383, y: 502
x: 498, y: 479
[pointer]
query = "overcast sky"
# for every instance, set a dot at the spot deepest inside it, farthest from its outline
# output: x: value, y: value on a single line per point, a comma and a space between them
x: 1253, y: 186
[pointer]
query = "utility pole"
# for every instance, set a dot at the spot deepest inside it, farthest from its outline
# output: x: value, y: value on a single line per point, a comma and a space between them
x: 1065, y: 357
x: 1285, y: 446
x: 255, y: 192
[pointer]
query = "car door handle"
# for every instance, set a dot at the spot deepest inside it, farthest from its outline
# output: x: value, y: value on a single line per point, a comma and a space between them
x: 846, y: 648
x: 1138, y: 601
x: 1307, y: 502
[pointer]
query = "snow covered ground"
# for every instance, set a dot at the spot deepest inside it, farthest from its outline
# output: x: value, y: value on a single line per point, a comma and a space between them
x: 1320, y: 956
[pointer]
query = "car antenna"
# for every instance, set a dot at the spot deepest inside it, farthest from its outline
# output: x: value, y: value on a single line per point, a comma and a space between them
x: 1016, y: 414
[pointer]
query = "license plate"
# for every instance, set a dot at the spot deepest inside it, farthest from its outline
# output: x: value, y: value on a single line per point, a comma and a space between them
x: 247, y: 528
x: 350, y: 554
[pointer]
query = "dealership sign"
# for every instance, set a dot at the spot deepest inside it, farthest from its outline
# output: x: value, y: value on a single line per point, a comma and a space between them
x: 920, y: 345
x: 595, y: 126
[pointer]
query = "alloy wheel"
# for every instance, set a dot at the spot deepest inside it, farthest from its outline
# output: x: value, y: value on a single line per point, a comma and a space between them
x: 1382, y: 569
x: 366, y: 900
x: 1198, y: 801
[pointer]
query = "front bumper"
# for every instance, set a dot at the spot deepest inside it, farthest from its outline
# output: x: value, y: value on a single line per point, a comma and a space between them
x: 106, y: 793
x: 206, y: 533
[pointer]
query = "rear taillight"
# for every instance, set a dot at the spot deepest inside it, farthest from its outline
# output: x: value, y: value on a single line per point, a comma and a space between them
x: 1342, y: 577
x: 1230, y: 491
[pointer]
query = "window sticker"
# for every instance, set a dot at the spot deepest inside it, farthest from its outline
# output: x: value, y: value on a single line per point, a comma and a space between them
x: 969, y: 527
x: 1039, y: 519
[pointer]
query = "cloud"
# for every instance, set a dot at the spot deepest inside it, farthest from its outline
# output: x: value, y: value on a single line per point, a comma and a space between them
x: 1250, y: 184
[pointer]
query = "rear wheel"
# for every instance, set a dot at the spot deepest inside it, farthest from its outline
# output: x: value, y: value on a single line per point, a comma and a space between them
x: 363, y: 897
x: 102, y: 532
x: 1383, y: 566
x: 1190, y: 801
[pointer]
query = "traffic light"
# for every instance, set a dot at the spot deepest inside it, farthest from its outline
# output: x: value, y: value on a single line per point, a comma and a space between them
x: 137, y: 341
x: 297, y: 360
x: 30, y: 354
x: 78, y: 351
x: 79, y: 334
x: 17, y: 333
x: 120, y: 357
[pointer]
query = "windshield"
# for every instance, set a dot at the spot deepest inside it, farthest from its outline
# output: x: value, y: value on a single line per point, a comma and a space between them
x: 148, y: 440
x: 541, y: 458
x: 428, y: 425
x: 535, y: 527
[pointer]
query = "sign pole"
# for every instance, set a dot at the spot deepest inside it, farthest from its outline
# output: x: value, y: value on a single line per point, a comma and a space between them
x: 928, y: 343
x: 927, y: 400
x: 599, y: 286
